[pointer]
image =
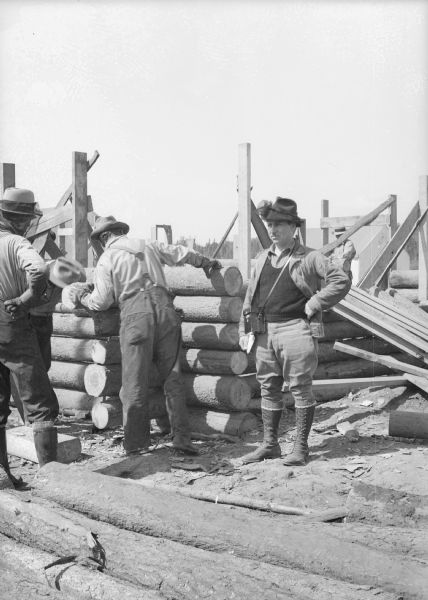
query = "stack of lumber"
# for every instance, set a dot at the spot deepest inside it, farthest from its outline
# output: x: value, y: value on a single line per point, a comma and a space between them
x: 86, y: 366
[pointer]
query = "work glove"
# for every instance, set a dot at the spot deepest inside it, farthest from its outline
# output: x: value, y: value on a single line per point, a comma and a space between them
x: 73, y: 294
x: 210, y: 266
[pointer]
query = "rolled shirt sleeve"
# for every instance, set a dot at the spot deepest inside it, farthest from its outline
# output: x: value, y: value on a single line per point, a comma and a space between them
x: 103, y: 295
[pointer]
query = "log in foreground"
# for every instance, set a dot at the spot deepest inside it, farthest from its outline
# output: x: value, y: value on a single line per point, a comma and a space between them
x: 102, y: 351
x: 69, y: 578
x: 74, y: 401
x: 162, y: 564
x: 213, y: 362
x: 188, y: 281
x: 20, y: 442
x: 408, y: 424
x: 309, y: 547
x: 210, y: 309
x: 404, y: 279
x: 209, y: 421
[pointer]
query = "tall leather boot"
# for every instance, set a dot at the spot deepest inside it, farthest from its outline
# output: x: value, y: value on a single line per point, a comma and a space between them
x: 178, y: 416
x: 300, y: 453
x: 4, y: 461
x: 270, y: 447
x: 46, y: 441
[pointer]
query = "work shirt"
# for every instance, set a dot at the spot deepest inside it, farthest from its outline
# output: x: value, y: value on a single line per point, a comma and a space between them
x: 21, y: 267
x: 127, y: 262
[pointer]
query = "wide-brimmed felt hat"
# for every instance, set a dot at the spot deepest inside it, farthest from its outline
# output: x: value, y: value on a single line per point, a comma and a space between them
x: 107, y: 224
x: 65, y: 271
x: 18, y: 201
x: 282, y: 209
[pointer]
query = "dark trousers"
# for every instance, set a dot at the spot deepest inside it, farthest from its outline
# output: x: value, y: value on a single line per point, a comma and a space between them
x: 150, y: 331
x: 20, y: 358
x: 43, y: 326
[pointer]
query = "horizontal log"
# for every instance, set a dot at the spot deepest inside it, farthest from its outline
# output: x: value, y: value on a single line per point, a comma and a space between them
x: 72, y: 580
x: 188, y: 281
x: 208, y: 421
x: 210, y: 309
x: 107, y: 412
x: 410, y: 294
x: 219, y: 392
x: 213, y: 362
x: 385, y: 506
x: 101, y: 351
x: 326, y: 352
x: 310, y: 547
x: 357, y: 367
x: 20, y: 442
x: 213, y: 336
x: 404, y: 279
x: 154, y: 563
x: 68, y: 375
x: 408, y: 424
x: 102, y: 324
x: 74, y: 400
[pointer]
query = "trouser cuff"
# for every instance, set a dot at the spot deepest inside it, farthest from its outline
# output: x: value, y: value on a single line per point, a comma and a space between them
x: 272, y: 404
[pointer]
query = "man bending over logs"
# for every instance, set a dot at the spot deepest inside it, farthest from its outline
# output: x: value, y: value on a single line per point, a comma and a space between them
x: 23, y: 280
x: 281, y: 319
x: 129, y: 273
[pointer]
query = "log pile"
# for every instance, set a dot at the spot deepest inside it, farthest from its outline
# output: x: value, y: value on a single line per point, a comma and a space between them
x: 86, y: 365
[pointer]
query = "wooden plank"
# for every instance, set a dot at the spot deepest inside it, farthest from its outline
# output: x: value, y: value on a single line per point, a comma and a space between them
x: 7, y: 176
x: 348, y: 311
x: 381, y: 359
x: 423, y: 241
x: 259, y: 227
x: 244, y: 208
x: 49, y: 220
x: 79, y: 240
x: 221, y: 242
x: 324, y: 224
x: 68, y: 194
x: 420, y: 382
x: 390, y: 251
x: 392, y: 312
x: 20, y: 442
x: 327, y: 222
x: 362, y: 222
x: 52, y: 249
x: 393, y: 223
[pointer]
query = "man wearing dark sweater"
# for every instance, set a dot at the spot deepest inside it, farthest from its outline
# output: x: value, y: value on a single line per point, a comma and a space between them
x: 282, y: 320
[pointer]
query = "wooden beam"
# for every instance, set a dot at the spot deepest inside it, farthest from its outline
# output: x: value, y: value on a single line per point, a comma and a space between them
x: 324, y: 226
x: 334, y: 222
x: 393, y: 222
x: 423, y: 240
x: 381, y: 359
x: 244, y: 208
x: 79, y: 242
x: 7, y: 176
x: 389, y: 253
x: 67, y: 195
x: 50, y: 219
x: 362, y: 222
x: 259, y: 227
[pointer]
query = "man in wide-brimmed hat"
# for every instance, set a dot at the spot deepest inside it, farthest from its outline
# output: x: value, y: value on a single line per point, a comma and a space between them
x: 281, y: 320
x: 23, y: 280
x: 130, y: 273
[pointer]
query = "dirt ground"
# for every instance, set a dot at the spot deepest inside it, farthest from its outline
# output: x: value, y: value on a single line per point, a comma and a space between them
x: 349, y: 442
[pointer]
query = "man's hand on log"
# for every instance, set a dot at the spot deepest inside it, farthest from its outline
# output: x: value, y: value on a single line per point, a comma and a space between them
x: 73, y: 294
x: 210, y: 266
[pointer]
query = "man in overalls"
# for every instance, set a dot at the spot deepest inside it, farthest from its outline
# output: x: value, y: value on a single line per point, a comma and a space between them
x: 23, y: 280
x: 130, y: 273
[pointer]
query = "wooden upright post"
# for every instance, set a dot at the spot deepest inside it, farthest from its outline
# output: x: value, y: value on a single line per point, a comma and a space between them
x: 79, y: 243
x: 423, y: 240
x: 324, y: 214
x: 393, y: 223
x: 244, y: 208
x: 7, y: 176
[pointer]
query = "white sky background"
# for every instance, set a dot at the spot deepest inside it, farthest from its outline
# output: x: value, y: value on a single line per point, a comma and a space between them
x: 331, y: 95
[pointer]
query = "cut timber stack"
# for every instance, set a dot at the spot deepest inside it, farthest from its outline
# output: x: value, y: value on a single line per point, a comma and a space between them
x: 86, y: 369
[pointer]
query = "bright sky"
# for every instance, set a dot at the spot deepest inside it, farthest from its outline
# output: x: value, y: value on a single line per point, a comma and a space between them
x: 333, y: 97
